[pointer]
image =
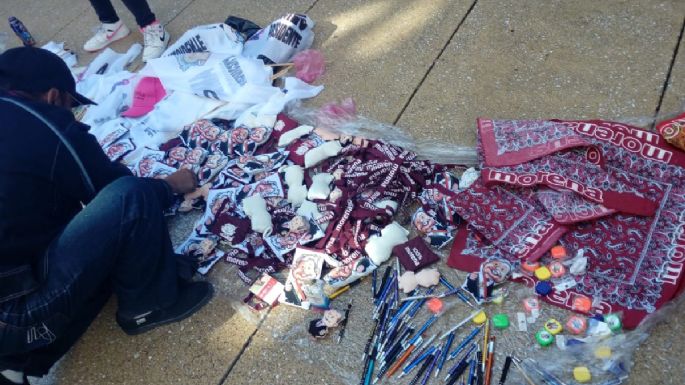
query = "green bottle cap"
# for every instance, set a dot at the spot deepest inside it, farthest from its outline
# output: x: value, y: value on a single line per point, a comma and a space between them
x: 614, y: 322
x: 500, y: 321
x: 544, y: 338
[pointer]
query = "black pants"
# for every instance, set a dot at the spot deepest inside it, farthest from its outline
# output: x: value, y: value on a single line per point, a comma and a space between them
x: 119, y: 242
x: 139, y: 8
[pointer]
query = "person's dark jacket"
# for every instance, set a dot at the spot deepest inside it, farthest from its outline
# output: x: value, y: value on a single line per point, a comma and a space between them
x: 41, y: 187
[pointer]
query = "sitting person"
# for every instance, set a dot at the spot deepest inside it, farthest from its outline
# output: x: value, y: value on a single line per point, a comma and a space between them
x: 74, y: 226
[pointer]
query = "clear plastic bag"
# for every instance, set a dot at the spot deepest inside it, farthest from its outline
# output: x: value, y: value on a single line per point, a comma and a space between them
x: 355, y: 125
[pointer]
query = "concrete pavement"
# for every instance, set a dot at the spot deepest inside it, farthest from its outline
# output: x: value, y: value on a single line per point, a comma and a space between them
x: 431, y: 67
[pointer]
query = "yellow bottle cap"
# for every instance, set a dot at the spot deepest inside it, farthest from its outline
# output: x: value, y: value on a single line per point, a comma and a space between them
x: 603, y: 352
x: 480, y: 318
x: 542, y: 273
x: 582, y: 374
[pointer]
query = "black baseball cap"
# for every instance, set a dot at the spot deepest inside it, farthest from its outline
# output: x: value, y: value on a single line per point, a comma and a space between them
x: 33, y: 69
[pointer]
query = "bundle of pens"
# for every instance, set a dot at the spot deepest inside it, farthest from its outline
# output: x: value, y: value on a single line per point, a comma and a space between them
x: 397, y: 345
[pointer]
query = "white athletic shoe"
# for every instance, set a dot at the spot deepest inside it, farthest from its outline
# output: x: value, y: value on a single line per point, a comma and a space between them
x: 106, y: 34
x: 155, y: 40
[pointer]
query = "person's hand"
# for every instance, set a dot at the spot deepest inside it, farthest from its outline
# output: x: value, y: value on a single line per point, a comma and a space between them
x: 182, y: 181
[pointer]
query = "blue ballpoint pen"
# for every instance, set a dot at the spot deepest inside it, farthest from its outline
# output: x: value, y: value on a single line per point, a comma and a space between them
x: 445, y: 351
x: 446, y: 283
x: 420, y: 303
x: 464, y: 342
x: 397, y: 283
x: 390, y: 336
x: 397, y: 346
x: 417, y: 361
x: 374, y: 277
x: 384, y: 281
x: 427, y: 375
x: 425, y: 326
x: 382, y: 294
x: 386, y: 290
x: 458, y: 292
x: 421, y: 370
x: 472, y: 372
x: 460, y: 365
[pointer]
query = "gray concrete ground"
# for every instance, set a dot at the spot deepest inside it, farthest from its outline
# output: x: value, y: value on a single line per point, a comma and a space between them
x: 431, y: 67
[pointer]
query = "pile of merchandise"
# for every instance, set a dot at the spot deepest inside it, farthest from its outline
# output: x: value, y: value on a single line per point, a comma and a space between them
x: 590, y: 213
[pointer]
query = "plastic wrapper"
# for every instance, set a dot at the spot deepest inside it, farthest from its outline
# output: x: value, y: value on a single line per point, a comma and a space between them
x: 609, y: 358
x: 309, y: 65
x: 360, y: 126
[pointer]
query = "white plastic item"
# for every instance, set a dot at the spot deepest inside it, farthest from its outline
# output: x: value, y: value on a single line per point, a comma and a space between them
x: 217, y: 38
x: 292, y: 135
x: 321, y: 153
x: 379, y: 248
x: 297, y: 191
x: 282, y: 39
x: 468, y: 177
x: 321, y: 186
x: 260, y: 219
x: 310, y: 210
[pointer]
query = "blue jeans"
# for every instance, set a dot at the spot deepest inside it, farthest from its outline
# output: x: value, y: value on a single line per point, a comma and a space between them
x: 119, y: 242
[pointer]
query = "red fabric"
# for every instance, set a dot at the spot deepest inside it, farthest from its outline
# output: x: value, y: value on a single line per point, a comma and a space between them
x: 635, y: 261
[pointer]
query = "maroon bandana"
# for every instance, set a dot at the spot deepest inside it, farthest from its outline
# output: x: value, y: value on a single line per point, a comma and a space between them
x: 635, y: 261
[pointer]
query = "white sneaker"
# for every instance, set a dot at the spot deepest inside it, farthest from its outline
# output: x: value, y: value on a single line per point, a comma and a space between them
x: 108, y: 33
x: 155, y: 39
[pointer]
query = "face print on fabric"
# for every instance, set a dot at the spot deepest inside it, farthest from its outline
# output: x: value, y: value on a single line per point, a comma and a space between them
x: 259, y: 135
x: 176, y: 156
x: 194, y: 159
x: 436, y: 233
x: 192, y: 59
x: 218, y: 202
x: 113, y: 136
x: 147, y: 162
x: 342, y: 275
x: 423, y: 222
x: 160, y: 171
x: 253, y: 164
x: 481, y: 283
x: 319, y: 328
x: 214, y: 163
x: 297, y: 231
x: 203, y: 249
x: 305, y: 270
x: 117, y: 150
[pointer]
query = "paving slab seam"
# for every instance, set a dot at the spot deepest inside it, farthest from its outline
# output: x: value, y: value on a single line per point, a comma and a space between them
x: 68, y: 24
x: 243, y: 348
x: 668, y: 74
x: 179, y: 12
x: 311, y: 6
x: 430, y: 68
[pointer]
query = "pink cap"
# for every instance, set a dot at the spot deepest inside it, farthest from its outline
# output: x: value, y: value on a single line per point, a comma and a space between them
x: 148, y: 92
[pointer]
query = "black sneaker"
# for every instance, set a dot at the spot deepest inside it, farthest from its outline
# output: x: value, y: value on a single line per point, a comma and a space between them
x: 191, y: 298
x: 5, y: 381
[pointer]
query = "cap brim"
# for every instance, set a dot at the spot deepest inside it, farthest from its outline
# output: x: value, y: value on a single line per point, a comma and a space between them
x: 81, y: 100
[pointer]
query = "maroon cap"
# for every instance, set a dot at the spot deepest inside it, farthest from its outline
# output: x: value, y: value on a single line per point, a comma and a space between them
x: 415, y: 254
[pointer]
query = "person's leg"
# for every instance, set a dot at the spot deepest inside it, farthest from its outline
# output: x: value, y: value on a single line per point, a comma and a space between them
x: 155, y: 37
x: 120, y: 236
x: 105, y: 11
x: 141, y: 11
x: 112, y: 28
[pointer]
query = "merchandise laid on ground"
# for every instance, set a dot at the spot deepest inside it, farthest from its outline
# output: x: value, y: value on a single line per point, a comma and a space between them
x: 585, y: 215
